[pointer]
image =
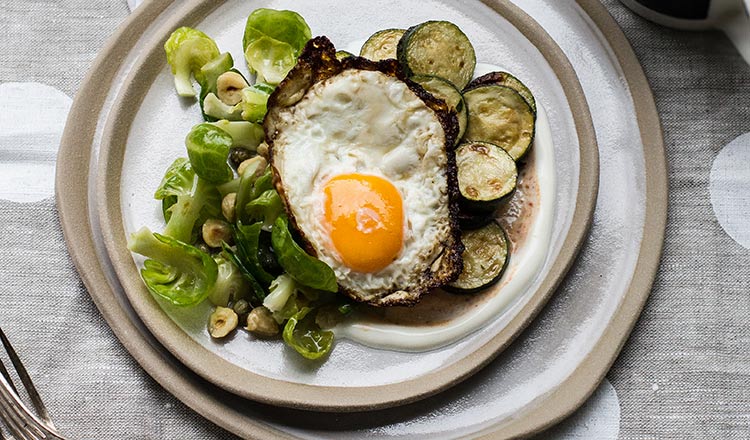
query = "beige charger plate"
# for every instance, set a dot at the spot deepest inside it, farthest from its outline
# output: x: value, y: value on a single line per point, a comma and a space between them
x: 73, y: 164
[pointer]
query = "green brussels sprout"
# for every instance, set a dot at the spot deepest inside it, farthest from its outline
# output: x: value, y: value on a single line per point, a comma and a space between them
x: 281, y: 290
x: 271, y: 59
x: 285, y: 26
x: 266, y: 207
x: 180, y: 273
x: 303, y: 334
x: 211, y: 72
x: 254, y: 101
x: 214, y: 108
x: 208, y: 149
x: 230, y: 283
x: 247, y: 135
x: 186, y: 204
x: 187, y: 51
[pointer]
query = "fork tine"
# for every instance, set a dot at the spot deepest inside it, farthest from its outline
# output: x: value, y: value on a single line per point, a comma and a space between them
x: 26, y: 380
x: 6, y: 375
x: 12, y: 421
x: 24, y: 424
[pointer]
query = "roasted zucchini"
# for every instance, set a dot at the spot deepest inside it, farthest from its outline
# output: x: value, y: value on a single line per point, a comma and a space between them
x: 341, y: 54
x: 487, y: 176
x: 469, y: 220
x: 499, y: 115
x: 507, y: 80
x: 438, y: 48
x: 443, y: 89
x: 382, y: 45
x: 486, y: 256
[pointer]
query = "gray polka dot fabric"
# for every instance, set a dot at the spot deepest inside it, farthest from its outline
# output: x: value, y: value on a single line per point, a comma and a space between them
x: 684, y: 373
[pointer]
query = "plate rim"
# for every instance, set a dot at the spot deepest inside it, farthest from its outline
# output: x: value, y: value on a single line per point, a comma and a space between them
x: 606, y: 350
x: 258, y: 387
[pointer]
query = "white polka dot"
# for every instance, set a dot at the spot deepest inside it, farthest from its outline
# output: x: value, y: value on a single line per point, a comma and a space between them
x: 655, y: 387
x: 598, y: 418
x: 31, y: 124
x: 132, y: 4
x: 730, y: 189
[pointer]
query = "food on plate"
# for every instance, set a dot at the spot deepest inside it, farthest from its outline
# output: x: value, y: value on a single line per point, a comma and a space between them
x: 499, y: 115
x: 364, y: 164
x: 438, y: 48
x: 507, y: 80
x: 443, y: 89
x: 320, y: 182
x: 487, y: 176
x: 485, y: 259
x: 382, y: 45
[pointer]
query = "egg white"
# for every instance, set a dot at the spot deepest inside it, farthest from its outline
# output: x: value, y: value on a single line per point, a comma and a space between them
x: 366, y: 122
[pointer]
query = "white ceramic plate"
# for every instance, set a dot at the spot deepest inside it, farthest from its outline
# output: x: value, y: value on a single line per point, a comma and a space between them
x: 540, y: 378
x: 146, y: 133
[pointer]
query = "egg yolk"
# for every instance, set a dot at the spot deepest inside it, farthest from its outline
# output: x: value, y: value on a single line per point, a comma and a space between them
x: 365, y: 217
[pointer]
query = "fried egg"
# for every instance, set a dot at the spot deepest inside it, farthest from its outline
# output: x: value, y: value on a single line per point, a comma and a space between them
x: 363, y: 165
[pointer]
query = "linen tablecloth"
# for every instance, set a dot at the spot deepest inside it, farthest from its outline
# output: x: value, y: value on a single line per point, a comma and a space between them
x: 684, y: 373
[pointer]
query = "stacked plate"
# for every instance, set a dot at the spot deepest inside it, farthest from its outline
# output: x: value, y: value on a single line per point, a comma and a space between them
x: 512, y: 373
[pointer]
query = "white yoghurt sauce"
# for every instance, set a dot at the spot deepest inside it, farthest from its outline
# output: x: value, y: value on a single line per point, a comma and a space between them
x: 524, y: 266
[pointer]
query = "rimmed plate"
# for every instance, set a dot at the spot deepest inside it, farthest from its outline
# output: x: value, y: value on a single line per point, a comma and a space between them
x: 145, y: 133
x: 541, y: 377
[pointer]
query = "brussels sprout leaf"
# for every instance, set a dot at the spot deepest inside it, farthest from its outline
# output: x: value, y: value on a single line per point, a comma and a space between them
x: 305, y: 336
x: 180, y: 273
x: 270, y: 58
x: 208, y: 149
x: 187, y: 51
x: 285, y: 26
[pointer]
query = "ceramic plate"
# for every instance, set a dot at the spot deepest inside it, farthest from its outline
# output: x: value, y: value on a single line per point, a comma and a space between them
x: 541, y: 377
x: 146, y: 132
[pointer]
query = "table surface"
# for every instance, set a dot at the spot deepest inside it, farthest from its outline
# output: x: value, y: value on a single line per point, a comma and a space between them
x: 684, y: 372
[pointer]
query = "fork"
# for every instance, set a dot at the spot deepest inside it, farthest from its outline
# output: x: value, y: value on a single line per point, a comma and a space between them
x: 17, y: 417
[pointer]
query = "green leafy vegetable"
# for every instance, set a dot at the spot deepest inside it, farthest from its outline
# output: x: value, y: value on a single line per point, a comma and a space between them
x: 211, y: 72
x: 282, y: 288
x: 271, y: 59
x: 305, y: 336
x: 255, y: 287
x: 187, y: 51
x: 254, y: 101
x: 178, y: 180
x: 252, y: 185
x: 216, y: 109
x: 208, y: 149
x: 244, y: 134
x: 193, y: 200
x: 230, y: 284
x: 176, y: 271
x: 285, y: 26
x: 247, y: 238
x: 305, y: 269
x: 266, y: 207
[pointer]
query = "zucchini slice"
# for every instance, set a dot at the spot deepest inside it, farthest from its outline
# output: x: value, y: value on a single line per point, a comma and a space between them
x: 341, y: 54
x: 499, y: 115
x: 487, y: 175
x: 438, y: 48
x: 469, y: 220
x: 507, y: 80
x: 486, y: 256
x: 382, y: 45
x: 443, y: 89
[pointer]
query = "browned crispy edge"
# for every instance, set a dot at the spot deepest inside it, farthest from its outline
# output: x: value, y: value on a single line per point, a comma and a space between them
x: 487, y: 79
x: 318, y: 62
